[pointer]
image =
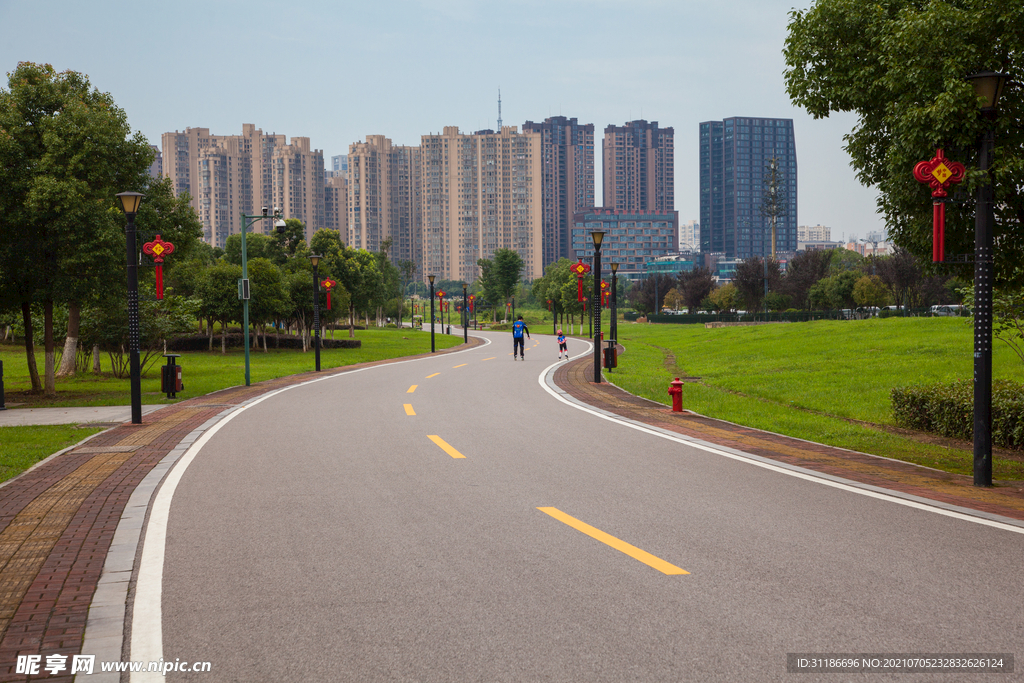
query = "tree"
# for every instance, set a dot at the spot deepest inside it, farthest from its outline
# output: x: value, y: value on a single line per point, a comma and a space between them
x: 642, y: 294
x: 293, y: 235
x: 802, y: 272
x: 269, y: 299
x: 725, y: 297
x: 161, y: 213
x: 900, y: 66
x: 749, y: 280
x: 695, y: 286
x: 901, y: 274
x: 65, y: 150
x: 869, y: 290
x: 218, y: 291
x: 500, y: 274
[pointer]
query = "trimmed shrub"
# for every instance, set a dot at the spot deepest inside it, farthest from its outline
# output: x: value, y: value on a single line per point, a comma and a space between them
x: 948, y: 410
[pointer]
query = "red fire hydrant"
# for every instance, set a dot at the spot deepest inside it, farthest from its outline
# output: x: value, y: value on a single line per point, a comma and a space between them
x: 676, y: 392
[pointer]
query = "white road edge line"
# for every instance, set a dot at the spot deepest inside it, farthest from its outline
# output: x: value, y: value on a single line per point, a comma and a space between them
x: 147, y: 610
x: 792, y: 471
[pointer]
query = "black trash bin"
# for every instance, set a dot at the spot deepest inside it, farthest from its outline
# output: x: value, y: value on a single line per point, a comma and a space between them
x: 170, y: 376
x: 611, y: 356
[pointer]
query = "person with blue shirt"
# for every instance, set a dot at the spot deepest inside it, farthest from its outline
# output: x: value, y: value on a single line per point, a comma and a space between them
x: 562, y: 346
x: 518, y: 344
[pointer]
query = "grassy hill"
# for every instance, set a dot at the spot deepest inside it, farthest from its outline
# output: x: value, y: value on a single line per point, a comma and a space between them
x: 825, y: 381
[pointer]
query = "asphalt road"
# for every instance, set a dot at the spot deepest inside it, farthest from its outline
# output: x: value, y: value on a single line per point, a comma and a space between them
x: 323, y: 535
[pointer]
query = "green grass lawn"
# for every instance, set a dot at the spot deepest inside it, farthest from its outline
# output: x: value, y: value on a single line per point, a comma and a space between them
x: 203, y: 373
x: 818, y: 381
x: 22, y: 447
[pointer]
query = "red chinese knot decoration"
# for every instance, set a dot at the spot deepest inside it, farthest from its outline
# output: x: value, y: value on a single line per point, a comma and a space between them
x: 158, y: 248
x: 328, y: 285
x: 580, y: 269
x: 939, y: 174
x: 604, y: 293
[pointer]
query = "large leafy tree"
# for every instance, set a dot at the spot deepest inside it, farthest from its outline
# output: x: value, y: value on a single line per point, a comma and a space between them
x: 695, y: 286
x: 65, y: 150
x: 802, y: 272
x: 900, y: 66
x: 750, y: 278
x: 500, y: 275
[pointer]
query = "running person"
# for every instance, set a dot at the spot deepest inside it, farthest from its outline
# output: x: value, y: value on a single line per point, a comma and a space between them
x: 518, y: 344
x: 562, y: 346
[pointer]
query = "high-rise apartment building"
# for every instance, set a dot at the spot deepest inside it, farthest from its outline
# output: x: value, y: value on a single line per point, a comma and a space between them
x: 336, y: 205
x: 639, y: 167
x: 689, y: 236
x: 734, y: 158
x: 228, y: 175
x: 481, y: 192
x: 567, y: 180
x: 813, y: 233
x: 298, y: 184
x: 384, y: 198
x: 339, y: 165
x: 156, y: 169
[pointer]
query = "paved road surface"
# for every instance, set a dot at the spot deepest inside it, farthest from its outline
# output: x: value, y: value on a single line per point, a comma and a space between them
x: 387, y: 525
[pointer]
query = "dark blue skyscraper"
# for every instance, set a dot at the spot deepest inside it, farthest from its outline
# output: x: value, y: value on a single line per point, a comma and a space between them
x: 734, y: 157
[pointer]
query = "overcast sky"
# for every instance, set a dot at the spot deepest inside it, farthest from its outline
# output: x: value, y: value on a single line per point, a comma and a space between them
x: 337, y: 71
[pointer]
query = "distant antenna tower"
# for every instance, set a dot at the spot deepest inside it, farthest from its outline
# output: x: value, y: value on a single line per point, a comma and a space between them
x: 499, y: 110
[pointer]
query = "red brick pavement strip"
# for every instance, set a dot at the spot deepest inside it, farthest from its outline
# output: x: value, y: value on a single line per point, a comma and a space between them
x: 49, y: 615
x: 1005, y: 500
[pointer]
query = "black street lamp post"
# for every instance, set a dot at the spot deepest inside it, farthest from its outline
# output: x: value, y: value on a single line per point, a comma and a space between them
x: 315, y: 260
x: 988, y: 86
x: 130, y: 205
x: 465, y: 315
x: 615, y: 302
x: 598, y: 237
x: 431, y: 278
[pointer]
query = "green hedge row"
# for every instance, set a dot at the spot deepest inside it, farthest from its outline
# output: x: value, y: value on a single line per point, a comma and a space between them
x: 948, y: 410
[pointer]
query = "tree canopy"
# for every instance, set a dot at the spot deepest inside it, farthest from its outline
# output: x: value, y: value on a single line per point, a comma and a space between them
x: 900, y: 66
x: 65, y: 150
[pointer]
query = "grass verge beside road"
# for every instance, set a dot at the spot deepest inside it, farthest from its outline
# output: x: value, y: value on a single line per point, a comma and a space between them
x: 203, y: 373
x: 22, y: 447
x: 824, y: 381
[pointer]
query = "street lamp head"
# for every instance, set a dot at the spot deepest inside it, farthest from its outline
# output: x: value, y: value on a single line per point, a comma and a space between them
x: 130, y: 202
x: 988, y: 86
x: 598, y: 237
x: 463, y: 289
x: 315, y: 259
x: 431, y: 278
x: 615, y: 266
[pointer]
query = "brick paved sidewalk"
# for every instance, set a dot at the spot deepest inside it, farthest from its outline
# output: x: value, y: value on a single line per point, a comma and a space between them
x: 57, y: 521
x: 575, y: 378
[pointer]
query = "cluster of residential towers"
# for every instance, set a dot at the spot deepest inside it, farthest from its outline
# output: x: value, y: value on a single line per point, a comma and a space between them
x: 458, y: 197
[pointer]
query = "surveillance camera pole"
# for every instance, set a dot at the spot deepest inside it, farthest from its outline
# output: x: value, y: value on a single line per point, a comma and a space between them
x: 243, y: 284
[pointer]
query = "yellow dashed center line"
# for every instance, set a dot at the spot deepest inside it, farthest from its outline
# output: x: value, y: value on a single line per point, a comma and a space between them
x: 491, y: 358
x: 634, y: 552
x: 434, y: 375
x: 408, y: 409
x: 444, y: 446
x: 460, y: 366
x: 412, y: 388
